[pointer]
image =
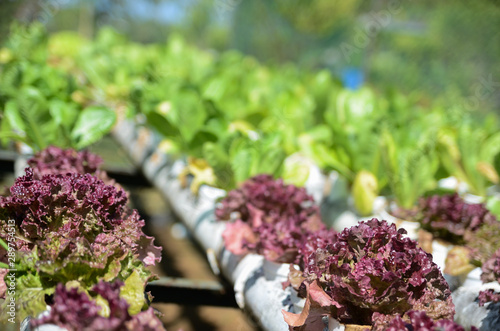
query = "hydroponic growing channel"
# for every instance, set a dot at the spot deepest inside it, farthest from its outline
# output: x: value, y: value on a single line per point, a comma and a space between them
x: 313, y: 204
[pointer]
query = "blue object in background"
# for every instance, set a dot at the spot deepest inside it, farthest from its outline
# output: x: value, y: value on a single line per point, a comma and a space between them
x: 352, y: 78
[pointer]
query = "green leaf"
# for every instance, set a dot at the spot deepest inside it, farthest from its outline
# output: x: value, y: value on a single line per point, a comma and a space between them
x: 33, y: 129
x: 6, y: 136
x: 295, y: 171
x: 63, y: 113
x: 241, y: 163
x: 133, y: 292
x: 215, y: 155
x: 493, y: 205
x: 472, y: 144
x: 189, y: 124
x: 188, y: 114
x: 214, y: 89
x: 270, y: 162
x: 218, y: 159
x: 32, y: 100
x: 200, y: 138
x: 104, y: 304
x: 92, y: 124
x: 320, y: 133
x: 496, y: 163
x: 13, y: 116
x: 491, y: 147
x: 30, y: 296
x: 162, y: 125
x: 113, y: 270
x: 330, y: 159
x: 364, y: 191
x: 63, y: 116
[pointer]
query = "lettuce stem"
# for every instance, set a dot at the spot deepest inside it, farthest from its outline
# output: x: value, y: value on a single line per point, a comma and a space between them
x: 4, y: 244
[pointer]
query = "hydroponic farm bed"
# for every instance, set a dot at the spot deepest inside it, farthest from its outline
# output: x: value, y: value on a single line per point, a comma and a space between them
x: 258, y: 289
x: 314, y: 206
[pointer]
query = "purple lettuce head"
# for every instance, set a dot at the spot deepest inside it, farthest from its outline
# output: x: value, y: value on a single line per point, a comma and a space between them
x: 372, y: 270
x: 309, y: 252
x: 420, y: 321
x: 266, y: 194
x: 312, y: 248
x: 487, y: 296
x: 272, y: 219
x: 483, y: 243
x: 76, y: 227
x: 75, y: 310
x: 55, y: 160
x: 491, y: 268
x: 449, y: 217
x: 490, y: 273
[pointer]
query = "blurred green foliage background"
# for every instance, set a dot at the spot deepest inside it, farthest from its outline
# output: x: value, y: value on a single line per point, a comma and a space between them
x: 444, y: 51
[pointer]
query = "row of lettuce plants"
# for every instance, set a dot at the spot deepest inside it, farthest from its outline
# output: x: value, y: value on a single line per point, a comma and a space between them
x: 69, y: 214
x: 233, y: 118
x: 370, y: 274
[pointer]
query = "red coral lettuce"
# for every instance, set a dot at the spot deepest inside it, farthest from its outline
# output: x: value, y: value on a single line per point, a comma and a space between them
x: 449, y: 217
x: 491, y: 268
x: 55, y: 160
x: 372, y: 270
x: 73, y: 227
x: 420, y: 321
x: 274, y: 218
x: 74, y: 310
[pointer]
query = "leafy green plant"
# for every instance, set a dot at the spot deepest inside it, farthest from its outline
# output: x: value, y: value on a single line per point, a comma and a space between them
x: 62, y: 126
x: 410, y: 165
x: 347, y: 144
x: 468, y: 153
x: 37, y: 101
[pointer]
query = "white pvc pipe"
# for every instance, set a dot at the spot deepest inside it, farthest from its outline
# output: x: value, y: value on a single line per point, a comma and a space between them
x: 469, y: 313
